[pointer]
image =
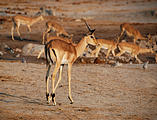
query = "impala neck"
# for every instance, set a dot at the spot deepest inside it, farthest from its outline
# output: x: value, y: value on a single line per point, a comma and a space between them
x: 36, y: 19
x: 81, y: 46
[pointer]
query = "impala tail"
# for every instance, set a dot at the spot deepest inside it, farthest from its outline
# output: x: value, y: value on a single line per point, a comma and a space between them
x: 47, y: 53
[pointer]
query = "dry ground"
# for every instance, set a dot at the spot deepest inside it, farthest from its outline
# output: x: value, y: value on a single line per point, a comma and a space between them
x: 99, y: 91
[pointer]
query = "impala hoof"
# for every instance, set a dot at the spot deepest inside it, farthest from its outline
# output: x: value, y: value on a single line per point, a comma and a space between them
x: 53, y: 99
x: 71, y: 100
x: 48, y: 98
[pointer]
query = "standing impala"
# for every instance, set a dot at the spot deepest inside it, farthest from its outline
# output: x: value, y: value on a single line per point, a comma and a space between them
x: 56, y: 27
x: 131, y: 31
x: 23, y: 20
x: 62, y: 52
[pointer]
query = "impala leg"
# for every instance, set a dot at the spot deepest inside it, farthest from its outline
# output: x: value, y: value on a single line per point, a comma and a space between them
x: 69, y: 79
x: 120, y: 53
x: 53, y: 82
x: 42, y: 50
x: 113, y: 53
x: 17, y: 29
x: 43, y: 41
x: 139, y: 61
x: 60, y: 77
x: 12, y: 32
x: 48, y: 98
x: 29, y: 28
x: 108, y: 52
x: 93, y: 53
x: 97, y: 50
x: 122, y: 32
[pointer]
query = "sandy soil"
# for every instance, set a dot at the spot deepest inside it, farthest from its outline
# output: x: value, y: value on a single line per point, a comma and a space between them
x: 99, y: 91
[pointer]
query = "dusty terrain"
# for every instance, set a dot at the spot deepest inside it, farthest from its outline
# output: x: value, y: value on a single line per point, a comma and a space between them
x: 100, y: 91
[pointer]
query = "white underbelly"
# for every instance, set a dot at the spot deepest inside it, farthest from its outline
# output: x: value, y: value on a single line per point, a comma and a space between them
x: 104, y: 47
x: 128, y: 50
x: 64, y: 60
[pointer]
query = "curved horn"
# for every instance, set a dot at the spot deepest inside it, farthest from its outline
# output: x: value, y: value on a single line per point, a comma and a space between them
x: 90, y: 30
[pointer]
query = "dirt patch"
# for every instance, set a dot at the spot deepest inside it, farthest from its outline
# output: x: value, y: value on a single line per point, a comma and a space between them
x: 99, y: 91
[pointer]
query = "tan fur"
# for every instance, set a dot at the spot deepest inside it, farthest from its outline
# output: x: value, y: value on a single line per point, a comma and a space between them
x: 133, y: 49
x: 130, y: 31
x: 106, y: 44
x: 56, y: 27
x: 156, y: 58
x: 23, y: 20
x: 65, y: 53
x: 56, y: 37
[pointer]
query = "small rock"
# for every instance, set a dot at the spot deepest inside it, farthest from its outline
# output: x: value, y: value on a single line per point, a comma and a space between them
x: 1, y: 53
x: 23, y: 60
x: 145, y: 65
x: 18, y: 55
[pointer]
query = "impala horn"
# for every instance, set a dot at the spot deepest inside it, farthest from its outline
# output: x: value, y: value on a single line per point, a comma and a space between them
x: 90, y: 30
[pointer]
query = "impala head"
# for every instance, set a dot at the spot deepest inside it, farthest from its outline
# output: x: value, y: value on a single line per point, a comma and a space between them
x: 90, y: 39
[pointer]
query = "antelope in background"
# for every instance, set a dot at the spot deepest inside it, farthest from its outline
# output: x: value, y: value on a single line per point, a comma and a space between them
x: 131, y: 31
x: 61, y: 52
x: 56, y: 27
x: 106, y: 44
x: 23, y: 20
x: 133, y: 49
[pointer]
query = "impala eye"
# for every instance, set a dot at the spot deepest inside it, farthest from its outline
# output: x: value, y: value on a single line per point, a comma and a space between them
x: 92, y: 37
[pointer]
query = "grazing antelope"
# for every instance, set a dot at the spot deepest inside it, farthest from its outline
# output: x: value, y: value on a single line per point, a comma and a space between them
x: 133, y: 49
x: 131, y: 31
x: 63, y: 53
x: 106, y: 44
x: 56, y: 27
x: 23, y: 20
x: 55, y: 37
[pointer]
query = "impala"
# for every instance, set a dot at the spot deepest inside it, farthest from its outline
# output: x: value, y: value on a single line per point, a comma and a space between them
x: 106, y: 44
x: 61, y: 52
x: 133, y: 49
x: 23, y: 20
x: 56, y: 27
x: 131, y: 31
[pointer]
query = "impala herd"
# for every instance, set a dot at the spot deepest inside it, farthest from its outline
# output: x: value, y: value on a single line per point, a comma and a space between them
x: 62, y: 50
